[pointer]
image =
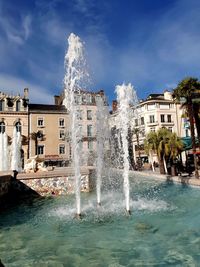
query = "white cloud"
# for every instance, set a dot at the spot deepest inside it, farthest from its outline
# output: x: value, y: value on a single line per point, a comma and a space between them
x: 14, y: 86
x: 16, y: 32
x: 27, y: 26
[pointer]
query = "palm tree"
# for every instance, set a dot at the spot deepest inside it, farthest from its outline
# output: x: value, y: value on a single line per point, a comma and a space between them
x: 175, y: 147
x: 163, y: 139
x: 186, y: 90
x: 151, y: 146
x: 165, y: 144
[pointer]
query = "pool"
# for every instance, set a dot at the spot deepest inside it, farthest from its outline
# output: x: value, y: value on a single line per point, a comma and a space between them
x: 163, y: 229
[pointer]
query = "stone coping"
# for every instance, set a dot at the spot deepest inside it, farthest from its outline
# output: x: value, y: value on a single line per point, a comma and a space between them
x: 189, y: 180
x: 62, y: 172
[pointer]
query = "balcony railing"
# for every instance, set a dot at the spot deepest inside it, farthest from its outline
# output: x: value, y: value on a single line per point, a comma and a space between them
x: 152, y: 122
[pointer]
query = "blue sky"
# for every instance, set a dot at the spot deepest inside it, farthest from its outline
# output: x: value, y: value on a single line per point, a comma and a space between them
x: 151, y: 43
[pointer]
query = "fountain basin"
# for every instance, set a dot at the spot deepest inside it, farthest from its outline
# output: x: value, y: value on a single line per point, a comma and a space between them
x: 162, y: 229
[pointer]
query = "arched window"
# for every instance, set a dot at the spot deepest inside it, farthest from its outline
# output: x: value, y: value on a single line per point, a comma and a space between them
x: 18, y: 127
x: 2, y: 127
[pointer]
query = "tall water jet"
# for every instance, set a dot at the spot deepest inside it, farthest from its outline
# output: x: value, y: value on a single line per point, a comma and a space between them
x: 103, y: 135
x: 4, y: 152
x: 125, y: 95
x: 16, y: 161
x: 75, y: 76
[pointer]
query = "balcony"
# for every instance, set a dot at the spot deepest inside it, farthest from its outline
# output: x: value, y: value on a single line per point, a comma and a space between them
x: 167, y: 123
x: 152, y: 123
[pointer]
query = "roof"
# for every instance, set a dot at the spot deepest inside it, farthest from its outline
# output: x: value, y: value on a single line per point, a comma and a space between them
x: 49, y: 108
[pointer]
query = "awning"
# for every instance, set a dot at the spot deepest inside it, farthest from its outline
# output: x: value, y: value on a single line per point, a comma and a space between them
x: 187, y: 142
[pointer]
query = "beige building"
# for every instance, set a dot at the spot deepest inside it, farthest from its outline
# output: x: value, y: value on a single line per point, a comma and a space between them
x: 48, y: 126
x: 87, y: 109
x: 14, y: 113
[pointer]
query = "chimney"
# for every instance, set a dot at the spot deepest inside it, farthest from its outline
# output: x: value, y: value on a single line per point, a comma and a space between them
x: 57, y: 100
x: 114, y: 106
x: 26, y: 93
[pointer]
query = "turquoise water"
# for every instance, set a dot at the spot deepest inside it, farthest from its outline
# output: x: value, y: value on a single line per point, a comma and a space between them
x: 163, y: 230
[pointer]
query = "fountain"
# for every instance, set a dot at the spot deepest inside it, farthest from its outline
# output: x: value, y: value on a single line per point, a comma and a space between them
x: 4, y: 152
x: 124, y: 97
x: 16, y: 161
x: 43, y: 232
x: 74, y: 82
x: 103, y: 135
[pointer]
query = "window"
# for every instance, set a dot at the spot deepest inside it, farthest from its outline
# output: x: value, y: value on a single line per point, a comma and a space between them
x: 136, y: 122
x: 18, y: 127
x: 89, y: 99
x: 2, y: 127
x: 79, y: 114
x: 169, y: 118
x: 90, y: 145
x: 170, y: 129
x: 40, y: 150
x: 18, y: 105
x: 152, y: 129
x: 89, y: 114
x: 162, y: 118
x: 89, y: 130
x: 61, y: 122
x: 62, y: 134
x: 62, y: 149
x: 40, y: 122
x: 1, y: 105
x: 151, y: 119
x: 40, y: 135
x: 142, y: 120
x: 78, y: 99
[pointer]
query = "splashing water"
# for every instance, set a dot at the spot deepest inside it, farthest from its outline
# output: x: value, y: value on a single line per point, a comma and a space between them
x: 75, y: 76
x: 4, y: 152
x: 16, y: 161
x: 125, y: 95
x: 103, y: 135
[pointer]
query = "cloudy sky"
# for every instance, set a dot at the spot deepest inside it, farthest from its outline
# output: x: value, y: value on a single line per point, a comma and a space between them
x: 151, y: 43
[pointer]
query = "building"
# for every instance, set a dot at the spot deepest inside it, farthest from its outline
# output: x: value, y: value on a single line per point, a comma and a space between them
x: 87, y: 110
x: 48, y: 127
x: 14, y: 114
x: 157, y: 111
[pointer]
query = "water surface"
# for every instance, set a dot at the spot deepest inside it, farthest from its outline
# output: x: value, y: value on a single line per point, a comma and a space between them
x: 163, y: 230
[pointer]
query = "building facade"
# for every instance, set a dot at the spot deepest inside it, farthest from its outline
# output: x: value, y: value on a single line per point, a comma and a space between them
x: 48, y: 126
x: 14, y: 114
x: 86, y: 102
x: 151, y: 114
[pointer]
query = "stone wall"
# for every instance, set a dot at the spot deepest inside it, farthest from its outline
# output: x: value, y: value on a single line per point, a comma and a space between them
x: 58, y: 185
x: 5, y: 183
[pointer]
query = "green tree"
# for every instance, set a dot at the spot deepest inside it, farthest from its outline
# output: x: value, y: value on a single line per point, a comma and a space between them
x: 185, y: 93
x: 165, y: 144
x: 151, y: 146
x: 175, y: 147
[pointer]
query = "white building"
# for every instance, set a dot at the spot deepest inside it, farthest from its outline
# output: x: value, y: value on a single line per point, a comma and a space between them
x: 157, y: 111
